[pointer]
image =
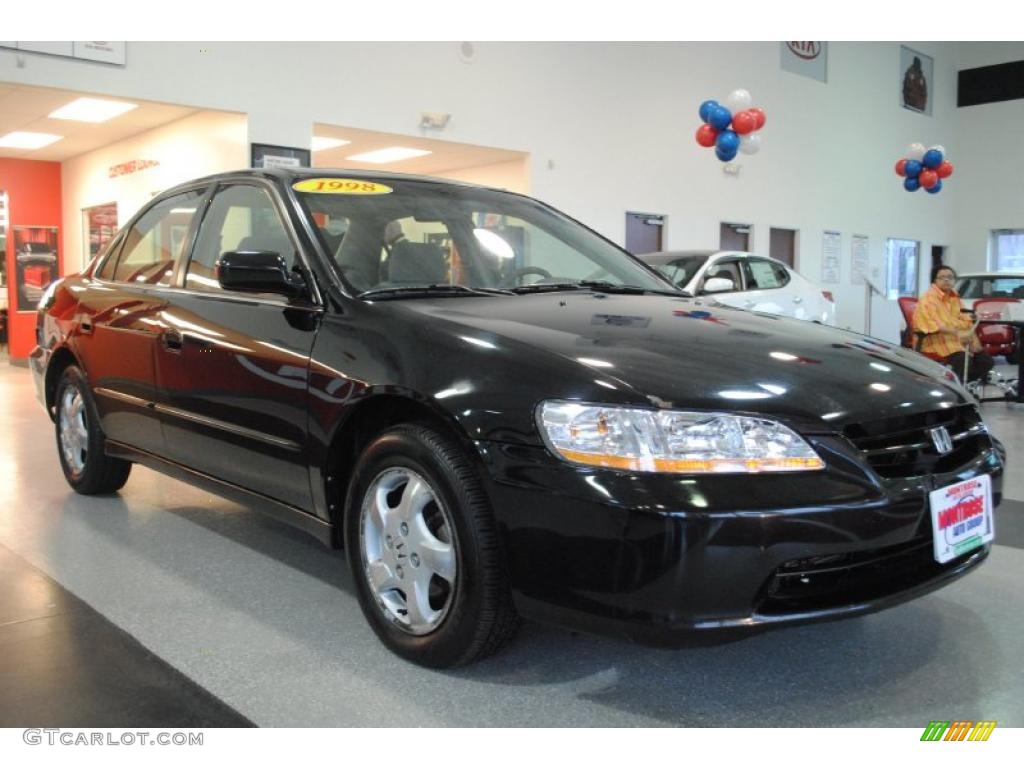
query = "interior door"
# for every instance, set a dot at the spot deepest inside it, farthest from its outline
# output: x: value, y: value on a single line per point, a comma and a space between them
x: 233, y: 367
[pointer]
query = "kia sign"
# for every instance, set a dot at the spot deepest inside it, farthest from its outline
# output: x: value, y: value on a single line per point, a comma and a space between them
x: 807, y: 58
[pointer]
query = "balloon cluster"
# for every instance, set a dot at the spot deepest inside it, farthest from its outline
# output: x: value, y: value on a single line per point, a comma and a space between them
x: 924, y: 168
x: 732, y: 127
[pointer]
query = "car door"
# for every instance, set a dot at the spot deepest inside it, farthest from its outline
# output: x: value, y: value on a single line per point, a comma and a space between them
x: 770, y: 288
x: 118, y: 319
x: 232, y: 367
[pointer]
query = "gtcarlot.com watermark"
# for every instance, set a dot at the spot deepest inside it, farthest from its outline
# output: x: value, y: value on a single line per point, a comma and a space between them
x: 69, y: 738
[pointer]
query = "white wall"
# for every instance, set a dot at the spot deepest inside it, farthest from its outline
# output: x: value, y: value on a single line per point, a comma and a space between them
x: 609, y: 128
x: 194, y: 146
x: 513, y: 176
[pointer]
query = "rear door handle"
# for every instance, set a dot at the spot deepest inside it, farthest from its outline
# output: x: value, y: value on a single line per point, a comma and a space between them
x: 171, y: 339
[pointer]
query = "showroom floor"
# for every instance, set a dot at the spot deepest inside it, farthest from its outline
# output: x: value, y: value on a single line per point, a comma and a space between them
x: 167, y: 605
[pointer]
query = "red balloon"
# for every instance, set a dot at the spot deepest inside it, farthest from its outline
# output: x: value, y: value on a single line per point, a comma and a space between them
x: 945, y: 169
x: 759, y: 116
x: 744, y: 122
x: 706, y: 135
x: 901, y: 167
x: 928, y: 178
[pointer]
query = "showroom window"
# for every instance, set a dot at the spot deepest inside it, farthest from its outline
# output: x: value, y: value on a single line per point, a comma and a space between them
x: 901, y: 259
x: 1006, y: 249
x: 240, y: 218
x: 157, y: 241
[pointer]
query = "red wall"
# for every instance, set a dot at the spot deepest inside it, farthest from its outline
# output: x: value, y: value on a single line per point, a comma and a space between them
x: 33, y: 199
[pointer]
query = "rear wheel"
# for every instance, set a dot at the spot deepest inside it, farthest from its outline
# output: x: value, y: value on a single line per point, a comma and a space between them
x: 423, y: 548
x: 80, y: 440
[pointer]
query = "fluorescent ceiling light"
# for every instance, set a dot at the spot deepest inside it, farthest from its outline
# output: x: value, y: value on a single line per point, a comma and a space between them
x: 92, y: 110
x: 325, y: 142
x: 28, y: 140
x: 389, y: 155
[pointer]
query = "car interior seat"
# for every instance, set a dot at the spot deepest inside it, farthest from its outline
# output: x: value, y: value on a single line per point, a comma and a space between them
x: 417, y: 263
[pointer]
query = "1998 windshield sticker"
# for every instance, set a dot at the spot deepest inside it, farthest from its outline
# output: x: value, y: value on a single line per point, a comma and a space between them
x: 341, y: 187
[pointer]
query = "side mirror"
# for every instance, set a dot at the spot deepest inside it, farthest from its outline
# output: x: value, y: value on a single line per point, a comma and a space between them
x: 718, y: 285
x: 258, y: 272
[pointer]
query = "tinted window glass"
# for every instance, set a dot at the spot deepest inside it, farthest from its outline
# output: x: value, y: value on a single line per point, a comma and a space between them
x: 157, y: 241
x: 764, y: 275
x: 240, y: 218
x: 991, y: 288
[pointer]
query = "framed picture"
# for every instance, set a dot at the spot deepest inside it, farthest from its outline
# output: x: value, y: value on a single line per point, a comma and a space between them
x: 35, y: 263
x: 915, y: 80
x: 271, y: 156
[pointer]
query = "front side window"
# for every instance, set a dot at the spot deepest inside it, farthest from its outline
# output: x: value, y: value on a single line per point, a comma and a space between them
x: 240, y: 218
x: 157, y: 241
x: 728, y: 269
x: 1006, y: 249
x: 420, y: 234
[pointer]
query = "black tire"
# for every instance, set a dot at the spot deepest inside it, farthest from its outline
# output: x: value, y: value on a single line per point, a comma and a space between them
x: 475, y: 606
x: 87, y: 468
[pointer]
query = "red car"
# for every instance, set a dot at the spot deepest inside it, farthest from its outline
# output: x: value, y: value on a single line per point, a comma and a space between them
x: 999, y: 286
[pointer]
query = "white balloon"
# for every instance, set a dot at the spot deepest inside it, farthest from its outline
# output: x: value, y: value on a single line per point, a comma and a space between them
x: 915, y: 152
x: 738, y: 100
x: 750, y: 143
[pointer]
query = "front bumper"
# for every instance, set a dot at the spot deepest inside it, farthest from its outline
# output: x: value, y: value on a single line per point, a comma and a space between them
x: 658, y: 557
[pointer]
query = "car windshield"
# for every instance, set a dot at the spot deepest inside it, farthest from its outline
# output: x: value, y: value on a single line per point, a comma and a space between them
x: 991, y: 287
x: 681, y: 270
x: 395, y: 236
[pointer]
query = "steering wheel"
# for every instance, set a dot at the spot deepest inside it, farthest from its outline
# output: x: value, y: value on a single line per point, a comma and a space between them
x: 515, y: 279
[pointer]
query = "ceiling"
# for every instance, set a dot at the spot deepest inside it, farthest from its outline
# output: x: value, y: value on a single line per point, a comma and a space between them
x: 445, y: 155
x: 25, y: 108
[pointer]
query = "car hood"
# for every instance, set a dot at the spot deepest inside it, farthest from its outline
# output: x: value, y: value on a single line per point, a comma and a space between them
x: 696, y: 353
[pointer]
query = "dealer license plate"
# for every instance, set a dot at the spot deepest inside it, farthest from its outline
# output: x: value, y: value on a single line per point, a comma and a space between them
x: 961, y: 517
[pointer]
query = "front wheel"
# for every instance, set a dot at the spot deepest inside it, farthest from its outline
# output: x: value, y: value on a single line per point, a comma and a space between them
x: 80, y: 440
x: 423, y: 548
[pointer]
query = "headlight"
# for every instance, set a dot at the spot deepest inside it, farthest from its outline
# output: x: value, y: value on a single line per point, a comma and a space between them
x: 671, y: 441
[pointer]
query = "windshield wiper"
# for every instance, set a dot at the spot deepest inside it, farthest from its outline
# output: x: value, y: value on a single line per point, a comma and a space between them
x: 594, y: 285
x: 436, y: 289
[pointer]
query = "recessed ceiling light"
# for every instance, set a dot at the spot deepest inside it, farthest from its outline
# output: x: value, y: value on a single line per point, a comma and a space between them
x: 326, y: 142
x: 389, y: 155
x: 28, y: 140
x: 87, y: 110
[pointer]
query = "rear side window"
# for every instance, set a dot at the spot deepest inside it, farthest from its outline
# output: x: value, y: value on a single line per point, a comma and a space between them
x: 157, y: 241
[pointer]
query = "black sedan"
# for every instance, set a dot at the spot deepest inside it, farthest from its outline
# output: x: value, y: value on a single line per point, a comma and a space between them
x: 498, y: 413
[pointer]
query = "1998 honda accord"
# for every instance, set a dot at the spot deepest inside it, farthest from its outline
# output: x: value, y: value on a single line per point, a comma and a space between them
x: 498, y: 413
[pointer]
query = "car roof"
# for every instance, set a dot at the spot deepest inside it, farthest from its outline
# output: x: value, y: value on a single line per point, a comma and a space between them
x: 289, y: 175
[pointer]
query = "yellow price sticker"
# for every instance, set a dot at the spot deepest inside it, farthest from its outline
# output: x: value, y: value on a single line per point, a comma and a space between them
x: 341, y: 187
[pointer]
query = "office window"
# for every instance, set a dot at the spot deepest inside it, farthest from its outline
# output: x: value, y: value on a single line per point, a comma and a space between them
x: 901, y: 258
x: 1006, y: 249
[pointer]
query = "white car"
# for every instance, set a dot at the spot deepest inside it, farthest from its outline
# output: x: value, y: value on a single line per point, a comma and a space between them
x: 746, y: 281
x: 990, y: 285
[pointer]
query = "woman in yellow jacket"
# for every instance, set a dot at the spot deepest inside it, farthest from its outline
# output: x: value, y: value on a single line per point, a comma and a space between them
x: 948, y: 331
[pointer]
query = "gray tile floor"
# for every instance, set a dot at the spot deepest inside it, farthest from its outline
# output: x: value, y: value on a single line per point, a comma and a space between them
x: 266, y: 619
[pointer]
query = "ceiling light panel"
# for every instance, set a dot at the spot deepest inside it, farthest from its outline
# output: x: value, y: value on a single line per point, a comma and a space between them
x: 88, y: 110
x: 321, y: 143
x: 28, y: 140
x: 389, y: 155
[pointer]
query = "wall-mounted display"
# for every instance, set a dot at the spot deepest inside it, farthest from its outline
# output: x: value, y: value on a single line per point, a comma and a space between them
x: 100, y: 226
x: 915, y: 80
x: 35, y: 263
x: 271, y: 156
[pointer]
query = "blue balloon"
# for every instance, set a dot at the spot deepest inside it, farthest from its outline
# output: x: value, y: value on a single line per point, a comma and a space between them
x: 706, y: 109
x: 724, y: 156
x: 911, y: 184
x: 720, y: 118
x: 936, y: 189
x: 913, y: 169
x: 728, y: 141
x: 932, y: 158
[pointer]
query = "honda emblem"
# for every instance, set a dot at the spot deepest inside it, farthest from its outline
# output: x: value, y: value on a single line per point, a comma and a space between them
x: 941, y: 439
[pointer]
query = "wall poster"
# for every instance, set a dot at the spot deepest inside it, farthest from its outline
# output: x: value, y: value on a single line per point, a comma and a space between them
x: 830, y: 256
x: 858, y: 259
x: 100, y: 225
x: 35, y: 263
x: 915, y: 80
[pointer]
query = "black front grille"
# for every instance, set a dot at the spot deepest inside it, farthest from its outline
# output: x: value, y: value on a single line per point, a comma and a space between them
x: 902, y: 446
x: 831, y: 581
